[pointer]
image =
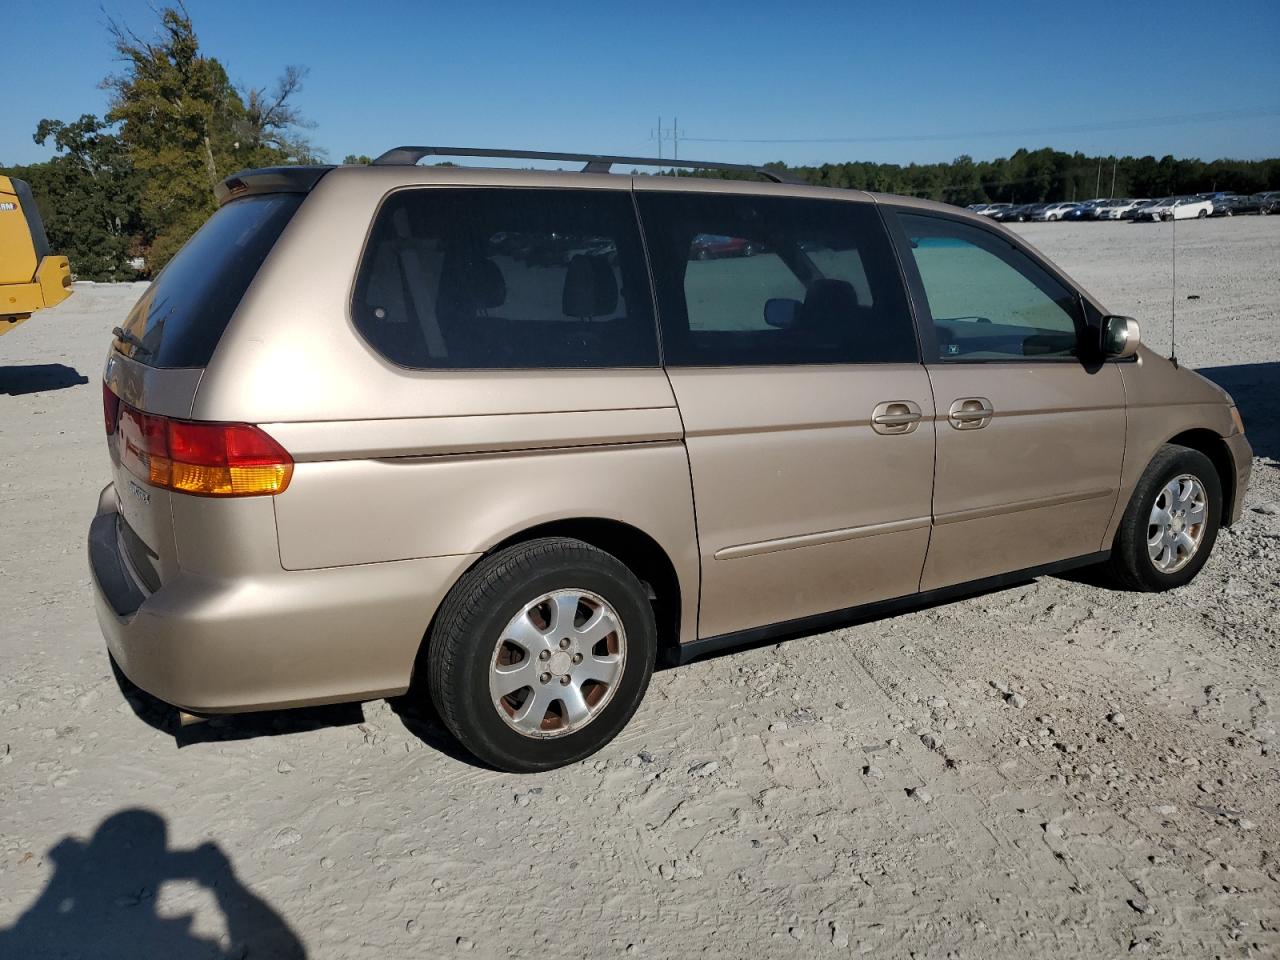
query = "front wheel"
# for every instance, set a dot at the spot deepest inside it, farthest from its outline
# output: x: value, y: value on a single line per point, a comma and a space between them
x: 541, y: 653
x: 1171, y: 523
x: 1202, y: 214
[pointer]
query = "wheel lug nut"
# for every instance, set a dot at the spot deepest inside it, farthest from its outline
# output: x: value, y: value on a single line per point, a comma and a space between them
x: 564, y: 644
x: 577, y: 658
x: 564, y: 681
x: 545, y: 655
x: 545, y: 678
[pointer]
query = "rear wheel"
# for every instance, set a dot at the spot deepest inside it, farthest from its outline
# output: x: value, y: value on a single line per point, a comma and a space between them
x: 1171, y: 523
x: 1202, y: 214
x: 541, y: 654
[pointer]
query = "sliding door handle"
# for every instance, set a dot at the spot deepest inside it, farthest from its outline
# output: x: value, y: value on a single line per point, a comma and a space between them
x: 895, y: 416
x: 970, y: 413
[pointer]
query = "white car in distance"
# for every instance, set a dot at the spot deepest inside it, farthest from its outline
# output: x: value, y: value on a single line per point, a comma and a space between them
x: 1116, y: 209
x: 1178, y: 208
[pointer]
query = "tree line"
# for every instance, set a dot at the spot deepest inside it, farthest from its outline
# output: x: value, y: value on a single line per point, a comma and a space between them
x: 131, y: 187
x: 134, y: 185
x: 1037, y: 176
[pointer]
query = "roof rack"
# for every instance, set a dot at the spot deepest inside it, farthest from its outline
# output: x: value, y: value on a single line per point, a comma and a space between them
x: 594, y: 163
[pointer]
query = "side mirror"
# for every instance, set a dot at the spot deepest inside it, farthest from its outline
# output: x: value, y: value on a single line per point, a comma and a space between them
x: 781, y: 312
x: 1120, y: 337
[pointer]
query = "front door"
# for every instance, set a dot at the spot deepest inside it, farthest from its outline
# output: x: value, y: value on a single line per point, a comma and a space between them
x: 808, y: 418
x: 1030, y: 423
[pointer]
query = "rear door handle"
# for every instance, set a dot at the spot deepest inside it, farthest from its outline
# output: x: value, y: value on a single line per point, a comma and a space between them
x: 895, y: 416
x: 970, y: 413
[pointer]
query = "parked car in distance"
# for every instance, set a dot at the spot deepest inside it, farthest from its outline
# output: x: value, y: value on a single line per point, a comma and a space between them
x: 1268, y: 203
x: 991, y: 209
x: 1242, y: 204
x: 1176, y: 208
x: 1053, y: 211
x: 1115, y: 209
x: 1224, y: 204
x: 1138, y: 211
x: 1016, y: 213
x: 706, y: 246
x: 359, y: 448
x: 1083, y: 211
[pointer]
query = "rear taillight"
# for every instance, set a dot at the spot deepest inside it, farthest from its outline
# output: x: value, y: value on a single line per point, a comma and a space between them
x: 205, y: 459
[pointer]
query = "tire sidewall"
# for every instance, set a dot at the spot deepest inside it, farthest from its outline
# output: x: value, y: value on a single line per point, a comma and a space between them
x: 487, y: 734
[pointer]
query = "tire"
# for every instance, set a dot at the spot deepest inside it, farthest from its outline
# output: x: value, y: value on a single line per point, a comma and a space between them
x: 467, y: 646
x: 1202, y: 214
x: 1131, y: 565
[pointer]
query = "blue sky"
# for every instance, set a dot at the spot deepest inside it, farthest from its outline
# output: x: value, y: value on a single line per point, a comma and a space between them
x: 904, y: 81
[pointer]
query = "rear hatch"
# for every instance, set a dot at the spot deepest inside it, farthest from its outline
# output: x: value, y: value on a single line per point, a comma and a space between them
x: 158, y: 357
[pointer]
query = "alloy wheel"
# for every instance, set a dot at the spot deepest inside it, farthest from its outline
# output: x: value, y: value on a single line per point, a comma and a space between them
x: 558, y: 663
x: 1177, y: 523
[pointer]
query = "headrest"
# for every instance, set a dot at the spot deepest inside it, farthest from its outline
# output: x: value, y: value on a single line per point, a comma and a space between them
x: 470, y: 284
x: 590, y: 288
x: 827, y: 303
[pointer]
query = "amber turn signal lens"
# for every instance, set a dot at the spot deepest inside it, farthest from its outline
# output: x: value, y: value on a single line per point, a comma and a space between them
x: 204, y: 459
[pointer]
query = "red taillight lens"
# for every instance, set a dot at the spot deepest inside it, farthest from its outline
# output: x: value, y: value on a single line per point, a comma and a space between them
x: 205, y: 459
x: 110, y: 408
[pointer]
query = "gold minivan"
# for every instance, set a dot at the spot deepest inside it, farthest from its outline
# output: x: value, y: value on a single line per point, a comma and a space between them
x: 506, y: 438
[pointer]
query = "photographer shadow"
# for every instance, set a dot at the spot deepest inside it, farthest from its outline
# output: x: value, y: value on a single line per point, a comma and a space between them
x: 101, y: 901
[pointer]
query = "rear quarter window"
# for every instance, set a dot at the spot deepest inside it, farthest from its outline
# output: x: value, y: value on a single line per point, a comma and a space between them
x: 494, y: 278
x: 184, y: 313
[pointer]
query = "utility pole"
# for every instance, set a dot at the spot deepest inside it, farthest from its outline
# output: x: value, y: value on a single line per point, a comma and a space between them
x: 659, y: 136
x: 675, y: 138
x: 1114, y: 162
x: 1097, y: 183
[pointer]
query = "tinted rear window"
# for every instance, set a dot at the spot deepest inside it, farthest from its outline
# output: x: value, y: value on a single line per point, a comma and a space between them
x: 465, y: 279
x: 184, y: 312
x: 751, y: 280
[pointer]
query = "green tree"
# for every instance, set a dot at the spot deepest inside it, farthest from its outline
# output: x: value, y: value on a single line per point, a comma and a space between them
x: 88, y: 197
x: 186, y: 127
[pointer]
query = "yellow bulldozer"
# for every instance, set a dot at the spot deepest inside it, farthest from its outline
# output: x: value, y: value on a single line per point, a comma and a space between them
x: 30, y: 277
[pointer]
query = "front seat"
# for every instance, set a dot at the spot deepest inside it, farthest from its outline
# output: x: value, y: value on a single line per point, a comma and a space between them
x: 828, y: 314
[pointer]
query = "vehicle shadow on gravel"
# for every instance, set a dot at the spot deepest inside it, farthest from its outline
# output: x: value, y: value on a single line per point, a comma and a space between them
x: 420, y: 719
x: 1255, y: 387
x: 241, y: 726
x: 103, y: 900
x: 38, y: 377
x: 416, y: 712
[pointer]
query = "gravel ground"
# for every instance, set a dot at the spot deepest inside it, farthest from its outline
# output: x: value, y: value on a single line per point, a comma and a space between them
x: 1051, y: 770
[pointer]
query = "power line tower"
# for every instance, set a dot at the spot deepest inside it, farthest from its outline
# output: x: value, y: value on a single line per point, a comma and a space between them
x: 672, y: 133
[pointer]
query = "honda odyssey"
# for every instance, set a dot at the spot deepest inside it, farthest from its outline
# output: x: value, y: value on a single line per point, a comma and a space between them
x: 507, y: 438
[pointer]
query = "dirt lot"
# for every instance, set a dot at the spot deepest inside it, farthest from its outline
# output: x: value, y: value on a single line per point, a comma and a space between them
x: 1052, y: 770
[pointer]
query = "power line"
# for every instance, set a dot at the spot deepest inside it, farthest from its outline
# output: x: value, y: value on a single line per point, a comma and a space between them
x: 673, y: 133
x: 1132, y: 124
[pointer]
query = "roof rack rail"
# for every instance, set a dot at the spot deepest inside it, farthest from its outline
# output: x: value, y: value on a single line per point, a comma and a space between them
x: 594, y: 163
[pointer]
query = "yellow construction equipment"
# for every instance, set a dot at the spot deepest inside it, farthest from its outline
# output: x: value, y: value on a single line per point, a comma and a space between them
x: 30, y: 277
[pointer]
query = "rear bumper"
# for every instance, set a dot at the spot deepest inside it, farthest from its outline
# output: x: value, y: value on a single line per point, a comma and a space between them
x: 1242, y: 457
x: 287, y: 638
